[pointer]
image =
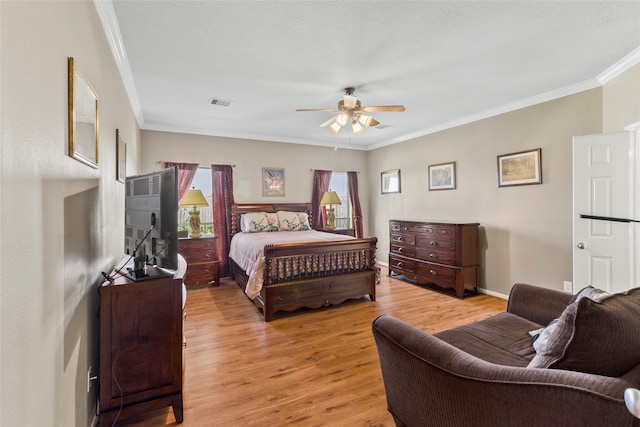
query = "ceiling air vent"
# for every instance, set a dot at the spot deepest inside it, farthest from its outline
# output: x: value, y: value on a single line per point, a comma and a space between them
x: 220, y: 102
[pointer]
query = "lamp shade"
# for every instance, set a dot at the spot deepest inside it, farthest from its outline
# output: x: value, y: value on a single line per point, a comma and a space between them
x: 193, y: 198
x: 330, y: 198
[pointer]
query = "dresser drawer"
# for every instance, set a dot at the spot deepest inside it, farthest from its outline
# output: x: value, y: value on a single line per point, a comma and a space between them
x: 442, y: 276
x: 436, y: 243
x: 405, y: 266
x: 409, y: 251
x: 196, y: 257
x: 404, y: 238
x: 432, y: 255
x: 445, y: 232
x: 201, y: 274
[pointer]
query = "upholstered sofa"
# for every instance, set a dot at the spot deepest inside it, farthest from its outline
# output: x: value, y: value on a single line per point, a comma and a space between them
x: 488, y: 374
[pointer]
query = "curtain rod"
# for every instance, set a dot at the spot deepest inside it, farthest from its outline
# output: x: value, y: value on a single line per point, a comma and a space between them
x: 313, y: 170
x: 164, y: 161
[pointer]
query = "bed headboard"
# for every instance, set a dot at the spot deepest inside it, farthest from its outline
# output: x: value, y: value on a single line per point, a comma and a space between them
x: 240, y: 208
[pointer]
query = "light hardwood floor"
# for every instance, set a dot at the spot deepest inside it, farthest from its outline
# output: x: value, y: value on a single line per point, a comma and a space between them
x: 307, y: 368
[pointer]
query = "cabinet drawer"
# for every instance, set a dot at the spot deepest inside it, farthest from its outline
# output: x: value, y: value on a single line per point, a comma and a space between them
x: 401, y: 264
x: 442, y: 257
x: 193, y: 257
x: 439, y: 275
x: 433, y: 242
x: 409, y: 251
x: 404, y: 238
x: 201, y: 274
x: 445, y: 232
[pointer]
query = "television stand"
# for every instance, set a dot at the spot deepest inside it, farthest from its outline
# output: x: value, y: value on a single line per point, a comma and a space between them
x: 141, y: 347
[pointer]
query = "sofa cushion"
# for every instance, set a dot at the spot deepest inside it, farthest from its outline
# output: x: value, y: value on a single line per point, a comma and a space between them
x: 502, y: 339
x: 598, y: 337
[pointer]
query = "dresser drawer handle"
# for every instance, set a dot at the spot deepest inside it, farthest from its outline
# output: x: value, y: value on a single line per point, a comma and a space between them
x: 400, y: 249
x: 399, y: 264
x: 399, y: 239
x: 432, y: 272
x: 434, y: 243
x: 433, y: 256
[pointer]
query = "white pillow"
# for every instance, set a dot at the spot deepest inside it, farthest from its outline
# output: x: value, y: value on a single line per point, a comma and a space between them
x: 293, y: 221
x: 256, y: 222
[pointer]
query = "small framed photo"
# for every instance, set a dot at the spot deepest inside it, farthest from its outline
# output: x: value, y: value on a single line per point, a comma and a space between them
x: 390, y: 181
x: 522, y: 168
x: 83, y: 117
x: 121, y: 157
x: 442, y: 176
x: 272, y: 182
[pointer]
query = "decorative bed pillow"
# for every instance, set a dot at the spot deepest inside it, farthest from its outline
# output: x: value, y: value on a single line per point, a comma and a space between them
x: 541, y: 336
x: 589, y: 292
x: 597, y: 337
x: 293, y: 221
x: 256, y: 222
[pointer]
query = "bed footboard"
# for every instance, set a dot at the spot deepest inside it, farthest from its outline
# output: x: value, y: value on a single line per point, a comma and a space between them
x: 314, y: 275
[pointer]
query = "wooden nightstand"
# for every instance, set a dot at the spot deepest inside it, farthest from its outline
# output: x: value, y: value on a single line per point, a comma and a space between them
x: 345, y: 231
x: 202, y: 260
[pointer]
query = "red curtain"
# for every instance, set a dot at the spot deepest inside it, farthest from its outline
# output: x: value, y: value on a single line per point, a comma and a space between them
x: 321, y: 180
x: 186, y: 172
x: 356, y: 210
x: 222, y: 180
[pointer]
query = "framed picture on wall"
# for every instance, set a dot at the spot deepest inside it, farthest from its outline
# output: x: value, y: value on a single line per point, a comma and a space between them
x: 442, y: 176
x: 121, y: 157
x: 390, y: 181
x: 272, y: 182
x: 83, y: 117
x: 521, y: 168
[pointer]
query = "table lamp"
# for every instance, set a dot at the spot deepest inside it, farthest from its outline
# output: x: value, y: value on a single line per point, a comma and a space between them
x: 194, y: 198
x: 330, y: 198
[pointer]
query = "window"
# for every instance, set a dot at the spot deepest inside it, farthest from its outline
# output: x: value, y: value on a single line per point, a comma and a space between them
x: 201, y: 181
x: 339, y: 183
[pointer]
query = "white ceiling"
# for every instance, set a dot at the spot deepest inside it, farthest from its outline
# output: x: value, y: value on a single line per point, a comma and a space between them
x: 447, y: 62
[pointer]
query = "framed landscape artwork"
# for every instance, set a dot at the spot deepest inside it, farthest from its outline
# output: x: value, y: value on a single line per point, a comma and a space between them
x: 272, y: 182
x: 442, y: 176
x: 121, y: 157
x: 522, y: 168
x: 390, y: 181
x: 83, y: 117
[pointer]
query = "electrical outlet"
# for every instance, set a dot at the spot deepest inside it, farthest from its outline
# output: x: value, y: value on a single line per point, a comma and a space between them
x: 90, y: 378
x: 568, y: 286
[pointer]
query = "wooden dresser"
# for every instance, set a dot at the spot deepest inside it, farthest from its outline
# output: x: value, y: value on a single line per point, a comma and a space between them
x: 141, y: 347
x: 436, y: 253
x: 201, y: 255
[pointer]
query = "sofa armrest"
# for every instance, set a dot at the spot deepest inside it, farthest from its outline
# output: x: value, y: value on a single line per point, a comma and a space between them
x: 429, y: 382
x: 539, y: 305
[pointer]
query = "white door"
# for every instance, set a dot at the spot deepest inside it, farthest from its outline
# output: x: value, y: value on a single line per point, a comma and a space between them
x: 604, y: 185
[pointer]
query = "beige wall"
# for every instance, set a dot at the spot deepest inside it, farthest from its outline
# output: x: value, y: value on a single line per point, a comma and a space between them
x: 525, y: 231
x: 621, y: 100
x: 61, y: 221
x: 250, y: 156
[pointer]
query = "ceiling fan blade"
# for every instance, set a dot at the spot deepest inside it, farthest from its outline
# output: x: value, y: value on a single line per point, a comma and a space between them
x: 373, y: 123
x: 383, y: 108
x: 328, y: 122
x: 330, y: 110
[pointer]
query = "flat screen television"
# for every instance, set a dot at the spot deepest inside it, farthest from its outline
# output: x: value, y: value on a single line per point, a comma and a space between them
x: 151, y: 224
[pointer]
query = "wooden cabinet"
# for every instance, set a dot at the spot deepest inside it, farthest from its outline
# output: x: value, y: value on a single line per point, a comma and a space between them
x: 201, y: 255
x: 141, y: 347
x: 436, y: 253
x: 344, y: 231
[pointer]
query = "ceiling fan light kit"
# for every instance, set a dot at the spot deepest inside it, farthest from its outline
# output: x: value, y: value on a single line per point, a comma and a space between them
x: 351, y: 110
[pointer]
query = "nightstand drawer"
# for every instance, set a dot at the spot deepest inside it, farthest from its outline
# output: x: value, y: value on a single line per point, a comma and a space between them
x: 201, y: 255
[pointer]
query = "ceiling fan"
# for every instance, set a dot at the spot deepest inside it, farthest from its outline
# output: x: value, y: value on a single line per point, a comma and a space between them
x: 350, y: 110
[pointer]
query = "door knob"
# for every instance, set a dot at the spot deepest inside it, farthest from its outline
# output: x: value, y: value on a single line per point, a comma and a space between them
x: 580, y: 245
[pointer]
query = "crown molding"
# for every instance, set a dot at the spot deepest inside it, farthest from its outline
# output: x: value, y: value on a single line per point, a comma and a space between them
x: 107, y: 16
x: 620, y: 67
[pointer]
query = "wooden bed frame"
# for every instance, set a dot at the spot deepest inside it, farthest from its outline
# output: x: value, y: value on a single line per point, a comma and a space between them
x: 308, y: 275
